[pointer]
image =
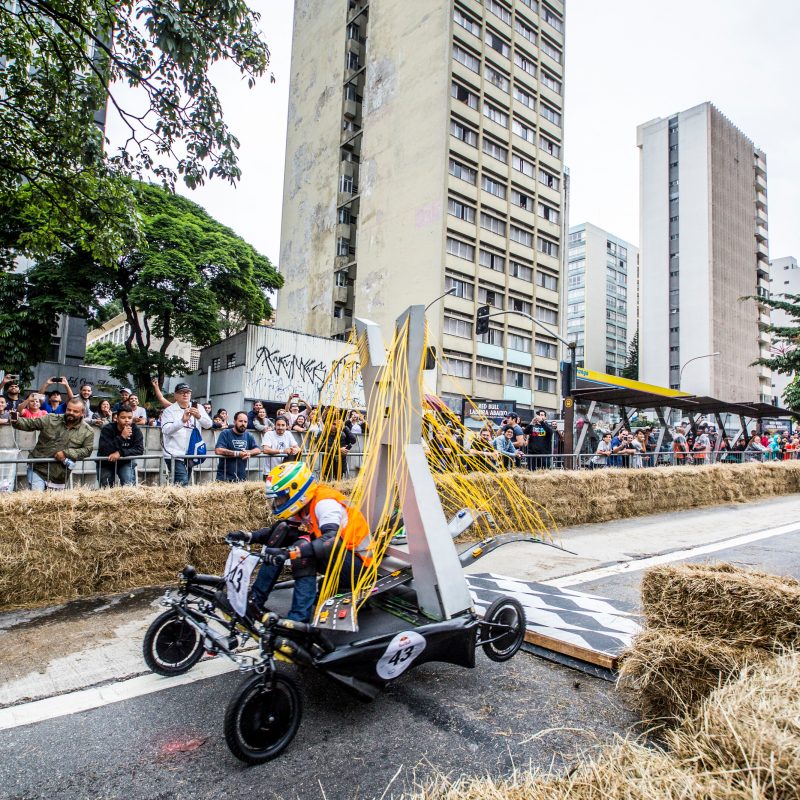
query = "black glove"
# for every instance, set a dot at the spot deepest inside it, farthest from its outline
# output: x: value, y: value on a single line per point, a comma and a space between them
x: 274, y: 556
x: 238, y: 537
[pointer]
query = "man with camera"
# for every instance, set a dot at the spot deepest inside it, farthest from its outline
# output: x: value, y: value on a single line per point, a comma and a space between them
x: 177, y: 422
x: 55, y: 402
x: 11, y: 392
x: 119, y: 441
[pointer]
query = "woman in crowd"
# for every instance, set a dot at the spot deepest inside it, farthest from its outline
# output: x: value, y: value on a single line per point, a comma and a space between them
x: 103, y: 414
x: 300, y: 424
x: 754, y: 451
x: 31, y: 408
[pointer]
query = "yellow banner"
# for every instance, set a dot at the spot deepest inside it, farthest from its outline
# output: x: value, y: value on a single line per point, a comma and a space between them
x: 625, y: 383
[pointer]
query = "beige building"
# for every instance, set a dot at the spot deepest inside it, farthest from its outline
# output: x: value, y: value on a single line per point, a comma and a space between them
x: 424, y: 153
x: 704, y: 246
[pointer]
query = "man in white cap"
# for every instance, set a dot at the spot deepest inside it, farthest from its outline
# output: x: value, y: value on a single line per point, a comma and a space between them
x: 124, y: 394
x: 177, y: 423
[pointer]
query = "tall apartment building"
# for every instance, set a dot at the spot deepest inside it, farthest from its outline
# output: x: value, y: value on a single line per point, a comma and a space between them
x: 424, y: 153
x: 601, y: 311
x: 784, y: 279
x: 703, y: 240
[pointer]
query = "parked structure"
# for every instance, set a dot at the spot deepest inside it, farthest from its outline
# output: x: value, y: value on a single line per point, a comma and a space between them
x: 424, y: 155
x: 704, y: 246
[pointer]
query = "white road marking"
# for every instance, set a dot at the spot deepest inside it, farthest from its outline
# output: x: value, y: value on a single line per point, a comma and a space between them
x: 668, y: 558
x: 87, y: 699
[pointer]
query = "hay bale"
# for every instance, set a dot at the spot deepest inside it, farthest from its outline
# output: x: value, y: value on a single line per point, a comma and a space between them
x: 667, y: 672
x: 750, y: 729
x: 744, y: 608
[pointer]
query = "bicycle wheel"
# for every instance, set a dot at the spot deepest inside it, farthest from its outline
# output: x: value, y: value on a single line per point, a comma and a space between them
x: 171, y: 645
x: 504, y: 628
x: 261, y: 720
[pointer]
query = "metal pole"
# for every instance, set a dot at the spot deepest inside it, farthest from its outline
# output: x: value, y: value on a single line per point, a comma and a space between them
x: 696, y: 358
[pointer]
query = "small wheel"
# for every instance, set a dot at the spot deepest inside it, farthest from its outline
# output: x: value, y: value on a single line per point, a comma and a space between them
x: 504, y: 627
x: 260, y: 722
x: 171, y: 645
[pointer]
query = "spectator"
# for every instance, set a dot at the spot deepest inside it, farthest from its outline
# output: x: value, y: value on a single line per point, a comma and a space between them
x: 251, y: 415
x: 504, y: 444
x: 3, y: 410
x: 31, y: 407
x: 10, y: 389
x: 64, y: 438
x: 139, y: 413
x: 600, y: 458
x: 85, y: 394
x: 163, y: 402
x: 279, y: 445
x: 754, y: 451
x: 223, y: 415
x: 177, y: 423
x: 764, y: 439
x: 617, y: 446
x: 216, y: 423
x: 540, y: 441
x: 237, y: 445
x: 701, y: 449
x: 624, y: 450
x: 292, y: 407
x: 335, y: 449
x: 512, y: 421
x: 356, y: 423
x: 103, y: 415
x: 121, y: 439
x: 55, y: 402
x: 209, y: 408
x: 774, y: 447
x: 124, y: 396
x: 639, y: 446
x: 314, y: 427
x: 261, y: 422
x: 300, y: 424
x: 482, y: 454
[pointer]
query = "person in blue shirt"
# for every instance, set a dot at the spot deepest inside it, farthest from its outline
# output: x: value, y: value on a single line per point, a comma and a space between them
x: 55, y: 403
x: 236, y: 445
x: 504, y: 444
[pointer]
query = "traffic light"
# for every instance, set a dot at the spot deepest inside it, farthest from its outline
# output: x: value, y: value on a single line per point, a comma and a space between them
x: 482, y: 321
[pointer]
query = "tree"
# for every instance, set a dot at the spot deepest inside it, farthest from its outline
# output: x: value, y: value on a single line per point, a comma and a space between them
x: 64, y: 61
x: 791, y: 396
x: 171, y: 282
x: 104, y: 354
x: 786, y: 354
x: 631, y: 368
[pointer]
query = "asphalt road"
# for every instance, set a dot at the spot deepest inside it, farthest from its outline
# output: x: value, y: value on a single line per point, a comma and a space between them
x: 436, y: 719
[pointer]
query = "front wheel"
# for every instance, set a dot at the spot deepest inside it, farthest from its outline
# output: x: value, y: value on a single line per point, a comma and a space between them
x: 171, y: 645
x: 262, y: 717
x: 503, y: 629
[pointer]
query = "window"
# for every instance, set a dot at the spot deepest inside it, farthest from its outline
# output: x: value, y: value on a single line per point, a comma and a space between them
x: 494, y: 261
x: 496, y: 78
x: 344, y: 216
x: 463, y: 289
x: 550, y: 49
x: 466, y: 58
x: 532, y: 4
x: 491, y: 295
x: 521, y: 236
x: 351, y: 93
x: 522, y: 344
x: 549, y: 146
x: 460, y: 249
x: 458, y: 327
x: 216, y: 364
x: 522, y: 200
x: 547, y: 385
x: 493, y: 187
x: 464, y: 95
x: 493, y: 224
x: 549, y: 180
x: 342, y: 247
x: 576, y: 294
x: 525, y: 30
x: 495, y: 150
x: 346, y: 184
x: 545, y: 349
x: 551, y: 18
x: 550, y: 114
x: 526, y: 98
x: 353, y: 31
x: 466, y: 134
x: 455, y: 364
x: 352, y: 61
x: 518, y: 304
x: 340, y: 277
x: 526, y: 63
x: 497, y: 43
x: 546, y: 281
x: 492, y: 336
x: 523, y: 131
x: 489, y: 372
x: 544, y: 314
x: 460, y: 210
x: 547, y: 247
x: 495, y: 114
x: 466, y: 22
x: 499, y: 11
x: 521, y: 271
x: 522, y: 380
x: 550, y: 82
x: 548, y: 212
x: 522, y: 165
x: 230, y: 361
x: 463, y: 172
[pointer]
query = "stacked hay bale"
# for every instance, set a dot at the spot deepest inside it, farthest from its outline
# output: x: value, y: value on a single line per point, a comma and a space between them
x: 706, y: 625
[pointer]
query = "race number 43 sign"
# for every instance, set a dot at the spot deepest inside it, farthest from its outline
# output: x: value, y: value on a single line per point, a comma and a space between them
x: 400, y: 654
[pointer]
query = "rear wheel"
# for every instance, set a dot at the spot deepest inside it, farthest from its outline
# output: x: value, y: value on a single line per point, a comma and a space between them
x: 171, y: 645
x: 262, y: 717
x: 503, y: 629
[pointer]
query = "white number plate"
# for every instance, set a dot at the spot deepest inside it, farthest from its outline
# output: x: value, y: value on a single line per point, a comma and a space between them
x: 400, y: 654
x: 238, y: 569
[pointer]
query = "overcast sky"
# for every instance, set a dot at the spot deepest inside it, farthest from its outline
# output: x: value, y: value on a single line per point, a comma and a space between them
x: 627, y: 61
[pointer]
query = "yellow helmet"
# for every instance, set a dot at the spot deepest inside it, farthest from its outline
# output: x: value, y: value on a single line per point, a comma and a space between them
x: 291, y: 486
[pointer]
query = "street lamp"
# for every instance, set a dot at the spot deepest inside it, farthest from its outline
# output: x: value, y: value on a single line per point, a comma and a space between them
x: 451, y: 290
x: 680, y: 374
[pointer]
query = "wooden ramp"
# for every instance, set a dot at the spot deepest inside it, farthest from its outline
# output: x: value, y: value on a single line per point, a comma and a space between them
x: 581, y: 627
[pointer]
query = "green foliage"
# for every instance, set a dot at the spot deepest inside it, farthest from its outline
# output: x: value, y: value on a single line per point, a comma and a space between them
x: 791, y: 396
x: 631, y: 368
x: 103, y: 354
x: 785, y: 338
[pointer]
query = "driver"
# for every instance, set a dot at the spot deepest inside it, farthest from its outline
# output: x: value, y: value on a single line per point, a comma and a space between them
x: 311, y: 520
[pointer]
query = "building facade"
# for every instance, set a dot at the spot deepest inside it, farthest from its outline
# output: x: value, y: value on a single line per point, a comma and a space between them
x: 704, y: 246
x: 784, y: 279
x: 601, y: 265
x: 424, y: 154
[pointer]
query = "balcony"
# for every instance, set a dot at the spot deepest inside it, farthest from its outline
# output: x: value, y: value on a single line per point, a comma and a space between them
x: 761, y: 200
x: 340, y: 294
x: 762, y: 251
x: 761, y: 182
x: 352, y: 109
x: 761, y: 233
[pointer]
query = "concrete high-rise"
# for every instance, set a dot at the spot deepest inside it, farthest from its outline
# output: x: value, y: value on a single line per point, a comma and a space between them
x: 424, y: 153
x: 784, y: 279
x: 704, y: 246
x: 602, y: 274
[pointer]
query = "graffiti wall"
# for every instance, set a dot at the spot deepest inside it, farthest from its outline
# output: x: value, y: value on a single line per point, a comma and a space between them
x: 282, y: 362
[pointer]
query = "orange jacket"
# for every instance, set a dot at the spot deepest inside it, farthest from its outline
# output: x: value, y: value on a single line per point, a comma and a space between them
x: 355, y: 534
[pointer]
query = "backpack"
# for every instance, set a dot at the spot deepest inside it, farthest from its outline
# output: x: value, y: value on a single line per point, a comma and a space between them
x: 197, y: 448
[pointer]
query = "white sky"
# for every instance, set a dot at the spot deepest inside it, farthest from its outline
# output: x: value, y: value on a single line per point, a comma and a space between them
x: 627, y: 61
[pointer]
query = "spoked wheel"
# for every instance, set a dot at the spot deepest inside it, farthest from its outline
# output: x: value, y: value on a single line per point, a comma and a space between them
x: 261, y: 720
x: 503, y: 629
x: 171, y: 645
